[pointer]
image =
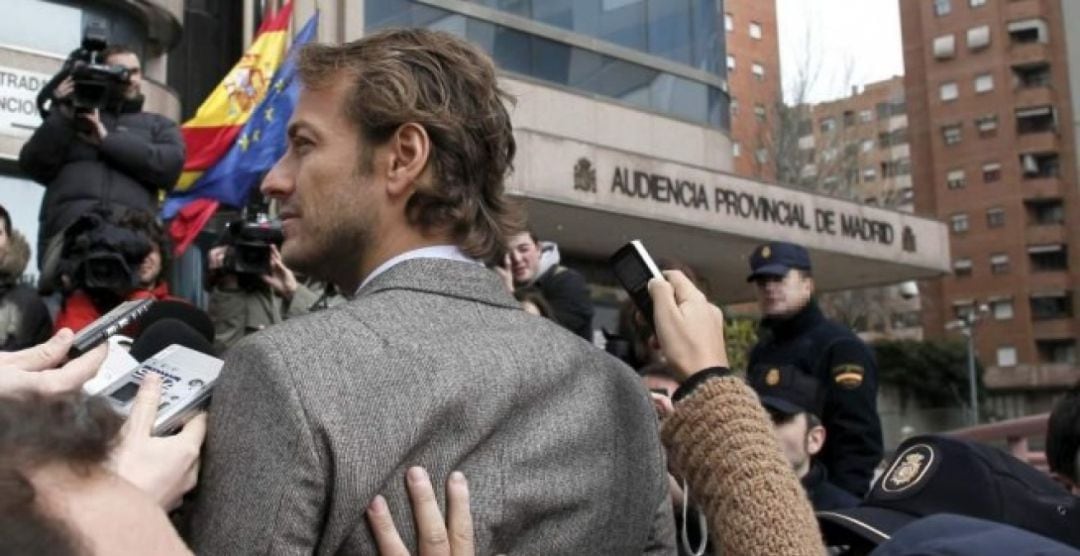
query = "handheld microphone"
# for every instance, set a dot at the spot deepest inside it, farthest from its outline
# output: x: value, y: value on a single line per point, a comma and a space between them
x: 166, y: 332
x: 182, y: 311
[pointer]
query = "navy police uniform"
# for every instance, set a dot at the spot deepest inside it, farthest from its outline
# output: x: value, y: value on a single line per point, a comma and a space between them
x: 809, y: 343
x: 786, y: 392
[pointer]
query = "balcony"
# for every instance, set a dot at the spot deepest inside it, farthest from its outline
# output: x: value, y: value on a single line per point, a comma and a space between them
x: 1054, y: 328
x: 1028, y: 53
x: 1035, y: 95
x: 1048, y: 187
x: 1016, y: 10
x: 1046, y: 234
x: 1031, y: 377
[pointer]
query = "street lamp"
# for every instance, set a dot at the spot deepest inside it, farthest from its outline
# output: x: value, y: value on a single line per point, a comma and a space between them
x: 966, y: 325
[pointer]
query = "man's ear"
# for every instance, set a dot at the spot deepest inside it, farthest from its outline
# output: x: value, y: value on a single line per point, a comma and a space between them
x: 815, y: 440
x: 409, y: 149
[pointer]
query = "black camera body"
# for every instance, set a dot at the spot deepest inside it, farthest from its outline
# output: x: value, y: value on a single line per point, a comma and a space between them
x: 101, y: 256
x: 249, y: 246
x: 97, y: 84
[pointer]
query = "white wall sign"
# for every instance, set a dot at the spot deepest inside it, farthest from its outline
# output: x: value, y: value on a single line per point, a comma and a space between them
x: 18, y: 100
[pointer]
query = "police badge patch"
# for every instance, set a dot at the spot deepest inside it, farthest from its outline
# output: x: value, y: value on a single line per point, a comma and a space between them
x: 849, y: 376
x: 908, y: 468
x: 772, y: 378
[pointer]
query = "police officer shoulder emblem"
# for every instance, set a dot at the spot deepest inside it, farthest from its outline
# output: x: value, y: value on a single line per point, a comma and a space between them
x: 765, y: 252
x: 772, y: 378
x: 849, y: 376
x: 908, y: 469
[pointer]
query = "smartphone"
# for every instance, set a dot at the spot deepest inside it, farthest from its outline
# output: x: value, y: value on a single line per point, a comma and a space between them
x: 108, y: 324
x: 633, y: 268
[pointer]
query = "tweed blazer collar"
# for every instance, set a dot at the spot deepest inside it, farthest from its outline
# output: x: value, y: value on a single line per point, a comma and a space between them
x: 443, y: 277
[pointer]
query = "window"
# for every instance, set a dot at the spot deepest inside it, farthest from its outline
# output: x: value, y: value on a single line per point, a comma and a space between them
x: 729, y: 23
x: 942, y: 7
x: 849, y: 118
x: 758, y: 70
x: 999, y: 263
x: 963, y: 309
x: 761, y: 155
x: 952, y: 134
x: 958, y: 223
x: 984, y: 83
x: 1040, y: 165
x: 977, y: 3
x: 827, y: 124
x: 1029, y: 76
x: 1002, y: 309
x: 1048, y: 258
x: 1038, y: 119
x: 955, y: 179
x: 1045, y: 212
x: 730, y: 63
x: 991, y: 172
x: 869, y: 174
x: 978, y: 37
x: 866, y: 116
x: 892, y: 138
x: 995, y: 217
x: 867, y: 145
x: 893, y: 168
x: 733, y: 107
x: 829, y: 154
x: 944, y: 47
x: 759, y: 111
x: 1006, y: 356
x: 987, y: 125
x: 755, y: 30
x: 962, y: 267
x: 1057, y: 351
x: 1051, y: 305
x: 949, y: 91
x: 1028, y: 31
x: 736, y: 149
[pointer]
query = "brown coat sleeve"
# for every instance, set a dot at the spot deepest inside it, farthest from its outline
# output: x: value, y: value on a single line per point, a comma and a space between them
x: 721, y: 441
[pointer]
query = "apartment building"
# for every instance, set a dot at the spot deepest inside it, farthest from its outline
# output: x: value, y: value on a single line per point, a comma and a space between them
x: 753, y: 74
x: 994, y: 155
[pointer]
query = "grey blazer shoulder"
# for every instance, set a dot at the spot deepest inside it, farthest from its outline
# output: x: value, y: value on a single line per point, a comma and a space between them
x: 432, y: 364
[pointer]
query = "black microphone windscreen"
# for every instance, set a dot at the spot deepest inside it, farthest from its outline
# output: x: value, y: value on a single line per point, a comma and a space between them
x: 164, y: 333
x: 178, y: 310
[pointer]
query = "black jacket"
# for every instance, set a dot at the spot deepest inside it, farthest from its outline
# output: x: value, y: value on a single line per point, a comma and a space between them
x: 567, y: 292
x: 142, y: 154
x: 824, y: 495
x: 846, y: 369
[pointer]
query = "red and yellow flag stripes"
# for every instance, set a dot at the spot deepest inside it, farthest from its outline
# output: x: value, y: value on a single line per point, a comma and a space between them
x: 223, y: 114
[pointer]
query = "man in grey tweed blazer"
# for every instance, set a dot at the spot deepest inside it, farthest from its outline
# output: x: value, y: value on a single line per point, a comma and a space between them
x: 392, y: 187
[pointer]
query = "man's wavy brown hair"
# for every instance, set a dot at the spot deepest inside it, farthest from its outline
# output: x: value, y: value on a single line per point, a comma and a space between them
x: 449, y: 87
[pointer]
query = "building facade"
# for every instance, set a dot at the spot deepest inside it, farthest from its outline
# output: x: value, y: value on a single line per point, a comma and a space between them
x: 993, y: 141
x: 752, y: 61
x: 857, y: 147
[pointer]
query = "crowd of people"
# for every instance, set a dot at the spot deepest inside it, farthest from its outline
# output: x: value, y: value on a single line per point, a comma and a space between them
x: 408, y: 331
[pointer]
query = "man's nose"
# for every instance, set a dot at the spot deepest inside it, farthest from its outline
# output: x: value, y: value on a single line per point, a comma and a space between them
x: 278, y: 182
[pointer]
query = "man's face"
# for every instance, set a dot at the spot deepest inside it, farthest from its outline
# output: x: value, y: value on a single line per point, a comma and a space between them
x: 783, y: 296
x: 524, y: 258
x: 798, y: 440
x: 131, y: 62
x: 329, y: 208
x: 151, y: 267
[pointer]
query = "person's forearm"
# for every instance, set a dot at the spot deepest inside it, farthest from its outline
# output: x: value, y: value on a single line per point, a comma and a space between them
x: 721, y: 441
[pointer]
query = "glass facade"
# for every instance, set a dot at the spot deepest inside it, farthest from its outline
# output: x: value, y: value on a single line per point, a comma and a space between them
x: 668, y: 34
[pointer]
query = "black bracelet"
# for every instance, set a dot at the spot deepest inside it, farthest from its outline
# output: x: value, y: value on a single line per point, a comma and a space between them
x: 691, y: 384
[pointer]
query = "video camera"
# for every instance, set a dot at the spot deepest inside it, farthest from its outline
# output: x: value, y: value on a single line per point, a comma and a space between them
x: 249, y: 245
x: 97, y: 84
x: 101, y: 256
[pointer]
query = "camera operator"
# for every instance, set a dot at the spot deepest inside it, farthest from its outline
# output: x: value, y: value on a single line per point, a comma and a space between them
x: 107, y: 258
x: 24, y: 319
x: 96, y: 146
x: 246, y: 298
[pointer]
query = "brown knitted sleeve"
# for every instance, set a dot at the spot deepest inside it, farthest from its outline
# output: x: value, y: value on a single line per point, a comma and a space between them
x: 721, y: 441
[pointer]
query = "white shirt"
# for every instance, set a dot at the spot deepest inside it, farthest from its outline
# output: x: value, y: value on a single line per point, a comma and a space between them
x: 448, y: 252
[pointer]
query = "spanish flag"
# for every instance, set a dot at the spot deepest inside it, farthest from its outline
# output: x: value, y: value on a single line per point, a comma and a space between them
x: 223, y: 114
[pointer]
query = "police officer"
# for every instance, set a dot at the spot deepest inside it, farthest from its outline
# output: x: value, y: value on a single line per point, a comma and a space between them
x: 796, y: 336
x: 794, y: 400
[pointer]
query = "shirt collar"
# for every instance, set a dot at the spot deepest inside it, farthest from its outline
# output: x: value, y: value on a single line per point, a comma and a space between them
x: 449, y: 252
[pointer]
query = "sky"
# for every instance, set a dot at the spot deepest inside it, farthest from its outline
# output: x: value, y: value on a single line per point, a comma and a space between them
x: 828, y: 46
